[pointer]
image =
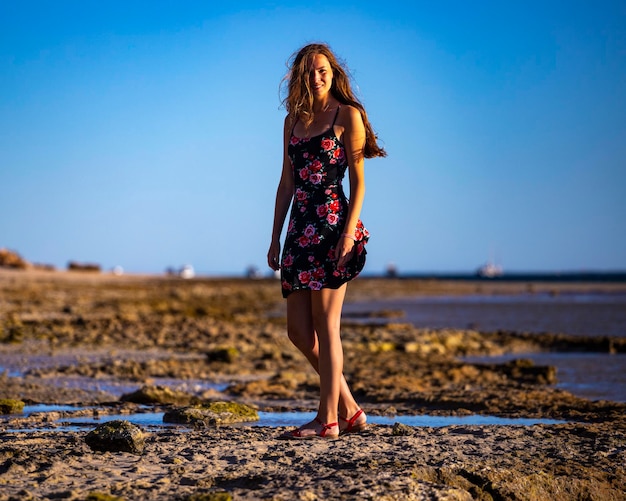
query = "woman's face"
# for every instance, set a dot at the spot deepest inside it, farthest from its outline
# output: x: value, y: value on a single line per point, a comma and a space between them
x: 320, y: 76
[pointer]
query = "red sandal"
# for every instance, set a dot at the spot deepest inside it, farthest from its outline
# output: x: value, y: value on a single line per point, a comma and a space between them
x: 297, y: 434
x: 352, y: 426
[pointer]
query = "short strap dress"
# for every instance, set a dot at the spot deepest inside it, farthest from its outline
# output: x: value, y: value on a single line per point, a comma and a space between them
x: 318, y: 215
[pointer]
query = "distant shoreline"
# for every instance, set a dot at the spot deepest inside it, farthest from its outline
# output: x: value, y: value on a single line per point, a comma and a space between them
x: 590, y: 276
x: 513, y: 276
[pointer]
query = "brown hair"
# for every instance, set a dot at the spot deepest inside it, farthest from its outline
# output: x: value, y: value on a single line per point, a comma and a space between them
x: 299, y: 100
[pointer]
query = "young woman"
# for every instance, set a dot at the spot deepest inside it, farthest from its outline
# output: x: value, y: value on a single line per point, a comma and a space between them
x: 326, y: 133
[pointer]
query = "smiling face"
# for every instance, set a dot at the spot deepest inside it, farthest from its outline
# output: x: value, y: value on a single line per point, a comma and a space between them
x: 320, y: 76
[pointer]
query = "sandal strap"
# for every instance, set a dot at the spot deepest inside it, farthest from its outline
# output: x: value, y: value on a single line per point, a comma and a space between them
x: 325, y: 426
x: 352, y: 420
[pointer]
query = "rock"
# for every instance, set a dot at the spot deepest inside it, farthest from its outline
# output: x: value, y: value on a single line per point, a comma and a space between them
x: 89, y: 267
x: 101, y: 496
x: 11, y: 406
x: 10, y: 259
x: 227, y: 355
x: 212, y: 414
x: 116, y: 436
x: 13, y: 330
x: 157, y: 395
x: 401, y: 430
x: 525, y: 370
x: 378, y: 347
x: 211, y: 496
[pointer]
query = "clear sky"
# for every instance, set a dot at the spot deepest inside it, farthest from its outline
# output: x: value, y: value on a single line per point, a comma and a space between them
x: 147, y: 134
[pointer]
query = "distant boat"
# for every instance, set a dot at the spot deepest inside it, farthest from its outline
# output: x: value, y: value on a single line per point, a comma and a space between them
x: 187, y: 272
x: 490, y: 270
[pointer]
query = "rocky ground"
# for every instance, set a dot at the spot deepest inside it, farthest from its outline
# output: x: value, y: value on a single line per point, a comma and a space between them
x: 116, y: 332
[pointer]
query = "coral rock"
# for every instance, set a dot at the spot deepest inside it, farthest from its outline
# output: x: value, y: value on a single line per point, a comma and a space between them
x: 212, y: 414
x: 117, y: 436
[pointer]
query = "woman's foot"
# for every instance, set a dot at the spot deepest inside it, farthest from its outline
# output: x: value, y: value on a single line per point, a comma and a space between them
x: 314, y: 429
x: 355, y: 424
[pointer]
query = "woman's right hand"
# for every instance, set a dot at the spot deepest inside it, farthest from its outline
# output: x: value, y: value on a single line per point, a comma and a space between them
x: 273, y: 256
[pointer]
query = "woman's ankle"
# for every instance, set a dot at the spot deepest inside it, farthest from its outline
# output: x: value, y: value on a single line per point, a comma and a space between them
x: 349, y: 411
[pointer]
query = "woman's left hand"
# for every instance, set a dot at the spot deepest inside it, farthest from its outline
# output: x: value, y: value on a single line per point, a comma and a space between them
x: 344, y: 250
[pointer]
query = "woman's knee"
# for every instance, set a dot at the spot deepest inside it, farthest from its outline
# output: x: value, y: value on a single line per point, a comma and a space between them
x: 303, y: 337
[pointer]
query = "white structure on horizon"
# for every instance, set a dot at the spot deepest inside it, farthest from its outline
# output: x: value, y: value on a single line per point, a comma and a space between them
x: 490, y: 270
x: 187, y: 271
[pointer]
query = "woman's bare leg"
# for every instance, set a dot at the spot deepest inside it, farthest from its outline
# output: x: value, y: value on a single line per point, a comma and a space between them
x: 326, y: 306
x: 302, y: 333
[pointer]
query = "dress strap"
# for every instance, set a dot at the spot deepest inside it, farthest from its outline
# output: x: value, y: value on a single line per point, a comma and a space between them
x: 336, y: 115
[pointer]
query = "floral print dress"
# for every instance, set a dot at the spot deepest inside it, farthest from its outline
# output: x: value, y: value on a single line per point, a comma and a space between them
x: 318, y: 213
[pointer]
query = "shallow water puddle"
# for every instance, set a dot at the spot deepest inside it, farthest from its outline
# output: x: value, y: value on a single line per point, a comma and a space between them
x: 595, y: 376
x: 275, y: 419
x: 298, y: 418
x: 33, y: 409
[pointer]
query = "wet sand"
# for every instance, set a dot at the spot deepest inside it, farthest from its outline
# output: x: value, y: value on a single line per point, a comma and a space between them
x: 115, y: 332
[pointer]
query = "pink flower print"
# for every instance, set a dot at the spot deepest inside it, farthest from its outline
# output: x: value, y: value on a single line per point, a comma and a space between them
x: 304, y: 173
x: 303, y: 241
x: 327, y: 144
x: 318, y: 273
x: 286, y: 285
x: 315, y: 178
x: 335, y: 206
x: 311, y: 259
x: 309, y: 231
x: 301, y: 195
x: 304, y: 277
x: 322, y: 210
x: 338, y: 153
x: 288, y: 260
x: 361, y: 231
x: 315, y: 285
x: 294, y: 140
x: 327, y: 191
x: 315, y: 240
x: 332, y: 218
x: 291, y: 226
x: 315, y: 166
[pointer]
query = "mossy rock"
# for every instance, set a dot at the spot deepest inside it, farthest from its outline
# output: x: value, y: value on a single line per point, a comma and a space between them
x: 116, y: 436
x: 11, y: 406
x: 158, y: 395
x: 212, y: 414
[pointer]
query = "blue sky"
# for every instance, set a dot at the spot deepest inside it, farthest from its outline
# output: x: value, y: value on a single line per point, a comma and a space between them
x: 148, y: 134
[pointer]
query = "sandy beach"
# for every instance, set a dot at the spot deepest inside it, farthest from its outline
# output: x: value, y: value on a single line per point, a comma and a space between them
x: 87, y: 339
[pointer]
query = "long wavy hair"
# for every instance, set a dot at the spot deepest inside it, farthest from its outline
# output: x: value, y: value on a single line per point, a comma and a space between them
x: 299, y: 99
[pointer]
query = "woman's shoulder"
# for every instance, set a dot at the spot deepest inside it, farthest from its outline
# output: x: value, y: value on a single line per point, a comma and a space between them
x: 290, y: 122
x: 348, y: 110
x: 349, y: 115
